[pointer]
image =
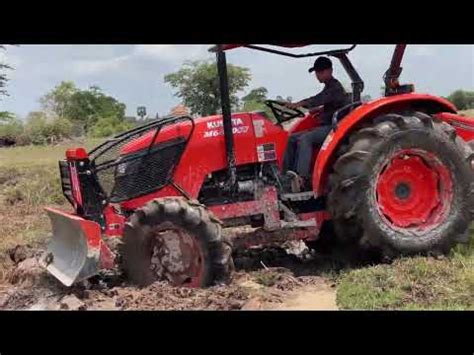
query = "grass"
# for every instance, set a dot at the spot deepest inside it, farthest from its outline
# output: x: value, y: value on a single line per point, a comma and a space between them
x: 29, y: 181
x: 46, y: 156
x: 418, y: 283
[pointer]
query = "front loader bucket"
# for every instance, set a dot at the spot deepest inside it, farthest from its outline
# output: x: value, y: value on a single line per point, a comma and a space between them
x: 74, y: 251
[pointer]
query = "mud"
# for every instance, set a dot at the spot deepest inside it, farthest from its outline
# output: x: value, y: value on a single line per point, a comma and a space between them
x: 265, y: 279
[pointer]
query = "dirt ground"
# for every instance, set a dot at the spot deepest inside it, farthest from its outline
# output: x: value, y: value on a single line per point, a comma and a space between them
x: 268, y: 279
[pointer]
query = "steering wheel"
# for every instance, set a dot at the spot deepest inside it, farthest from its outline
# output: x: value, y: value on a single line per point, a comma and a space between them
x: 283, y: 113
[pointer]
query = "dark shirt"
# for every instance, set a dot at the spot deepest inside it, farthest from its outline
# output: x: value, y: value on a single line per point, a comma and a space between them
x: 333, y: 97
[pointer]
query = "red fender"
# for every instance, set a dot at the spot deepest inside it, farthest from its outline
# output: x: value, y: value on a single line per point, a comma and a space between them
x: 367, y: 111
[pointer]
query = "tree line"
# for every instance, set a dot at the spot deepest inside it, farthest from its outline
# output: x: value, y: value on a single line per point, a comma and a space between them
x: 463, y: 100
x: 68, y: 111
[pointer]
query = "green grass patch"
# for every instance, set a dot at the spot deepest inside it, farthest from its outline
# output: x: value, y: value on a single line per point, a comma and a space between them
x: 45, y: 155
x: 418, y: 283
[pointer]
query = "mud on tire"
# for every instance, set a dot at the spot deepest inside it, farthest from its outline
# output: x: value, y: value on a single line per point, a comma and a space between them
x: 354, y: 198
x: 188, y: 217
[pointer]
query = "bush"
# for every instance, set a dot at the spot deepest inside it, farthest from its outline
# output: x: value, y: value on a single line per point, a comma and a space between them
x: 41, y: 130
x: 11, y: 129
x: 61, y: 128
x: 109, y: 126
x: 463, y: 100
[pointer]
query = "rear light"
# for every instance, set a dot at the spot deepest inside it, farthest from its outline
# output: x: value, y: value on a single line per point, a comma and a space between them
x: 76, y: 154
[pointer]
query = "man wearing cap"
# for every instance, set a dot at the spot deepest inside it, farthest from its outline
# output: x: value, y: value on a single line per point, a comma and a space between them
x: 300, y: 147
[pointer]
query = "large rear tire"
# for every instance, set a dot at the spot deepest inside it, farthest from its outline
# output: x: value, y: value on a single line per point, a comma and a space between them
x: 176, y: 240
x: 403, y: 186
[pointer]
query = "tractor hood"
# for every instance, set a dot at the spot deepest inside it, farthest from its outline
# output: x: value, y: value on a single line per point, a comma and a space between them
x: 166, y: 133
x: 175, y: 131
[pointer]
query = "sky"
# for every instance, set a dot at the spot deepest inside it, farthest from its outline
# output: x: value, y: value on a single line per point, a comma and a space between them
x: 134, y: 74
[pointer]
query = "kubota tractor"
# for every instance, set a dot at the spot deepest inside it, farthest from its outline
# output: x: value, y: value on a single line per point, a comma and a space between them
x: 394, y: 175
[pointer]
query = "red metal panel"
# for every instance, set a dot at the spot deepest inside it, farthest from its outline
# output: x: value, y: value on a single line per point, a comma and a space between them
x: 235, y: 210
x: 267, y: 205
x: 114, y: 222
x: 205, y: 152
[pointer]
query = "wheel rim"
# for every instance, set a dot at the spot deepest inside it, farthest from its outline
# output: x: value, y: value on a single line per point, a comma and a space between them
x: 414, y: 190
x: 177, y: 257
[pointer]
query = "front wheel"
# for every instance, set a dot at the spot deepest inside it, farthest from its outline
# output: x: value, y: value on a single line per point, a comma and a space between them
x: 175, y: 240
x: 403, y: 186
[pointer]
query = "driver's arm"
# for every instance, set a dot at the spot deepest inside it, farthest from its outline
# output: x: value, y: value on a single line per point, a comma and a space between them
x: 326, y: 96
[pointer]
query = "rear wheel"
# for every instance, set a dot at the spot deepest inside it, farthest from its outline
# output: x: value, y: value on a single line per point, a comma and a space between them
x: 176, y: 240
x: 403, y: 186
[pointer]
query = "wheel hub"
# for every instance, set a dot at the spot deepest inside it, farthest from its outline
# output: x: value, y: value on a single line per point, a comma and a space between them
x: 402, y: 191
x: 414, y: 189
x: 176, y: 257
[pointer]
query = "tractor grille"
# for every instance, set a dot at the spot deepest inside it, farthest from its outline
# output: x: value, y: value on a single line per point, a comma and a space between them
x: 123, y: 177
x: 141, y: 173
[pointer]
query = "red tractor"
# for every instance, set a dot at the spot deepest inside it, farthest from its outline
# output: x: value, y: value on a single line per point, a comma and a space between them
x: 394, y: 175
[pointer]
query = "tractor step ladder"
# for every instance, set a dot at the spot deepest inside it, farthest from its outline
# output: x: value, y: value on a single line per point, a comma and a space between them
x: 299, y: 224
x: 300, y: 196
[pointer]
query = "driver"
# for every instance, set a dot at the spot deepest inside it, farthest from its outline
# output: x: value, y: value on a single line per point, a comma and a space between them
x: 299, y: 152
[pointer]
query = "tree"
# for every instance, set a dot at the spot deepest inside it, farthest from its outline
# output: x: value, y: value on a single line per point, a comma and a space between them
x: 258, y: 95
x: 6, y: 117
x: 463, y: 100
x: 255, y: 101
x: 83, y: 107
x: 197, y: 84
x: 55, y: 103
x: 109, y: 125
x: 88, y: 107
x: 3, y: 76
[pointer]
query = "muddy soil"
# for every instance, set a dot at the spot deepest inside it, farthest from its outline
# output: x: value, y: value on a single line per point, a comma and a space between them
x: 266, y: 279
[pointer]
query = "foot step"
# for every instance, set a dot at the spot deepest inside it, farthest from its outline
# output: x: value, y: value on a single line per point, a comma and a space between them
x: 300, y: 196
x: 299, y: 224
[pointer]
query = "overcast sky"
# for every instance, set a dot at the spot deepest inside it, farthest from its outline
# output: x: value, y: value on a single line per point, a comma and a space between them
x: 134, y: 73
